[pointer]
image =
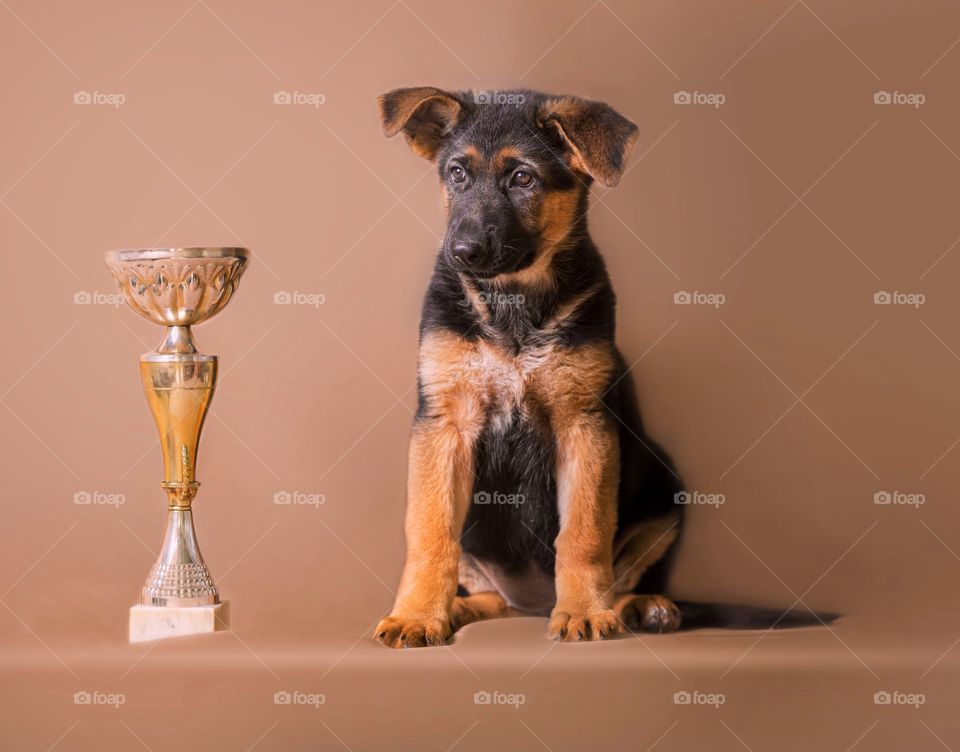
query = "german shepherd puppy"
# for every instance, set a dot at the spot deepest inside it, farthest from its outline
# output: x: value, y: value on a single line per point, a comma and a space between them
x: 532, y: 487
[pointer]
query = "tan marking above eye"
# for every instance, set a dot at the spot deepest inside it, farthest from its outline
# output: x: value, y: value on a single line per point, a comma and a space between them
x: 506, y: 153
x: 499, y: 162
x: 472, y: 155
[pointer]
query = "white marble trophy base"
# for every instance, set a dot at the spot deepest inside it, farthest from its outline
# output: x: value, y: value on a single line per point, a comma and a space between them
x: 159, y: 622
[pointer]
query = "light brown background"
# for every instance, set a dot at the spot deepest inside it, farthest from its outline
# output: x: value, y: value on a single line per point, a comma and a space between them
x: 319, y: 400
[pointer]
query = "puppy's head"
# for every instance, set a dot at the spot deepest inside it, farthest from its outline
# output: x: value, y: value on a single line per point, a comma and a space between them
x: 514, y: 167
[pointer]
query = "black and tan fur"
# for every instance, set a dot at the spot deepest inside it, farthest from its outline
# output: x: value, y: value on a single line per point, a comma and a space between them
x: 522, y: 391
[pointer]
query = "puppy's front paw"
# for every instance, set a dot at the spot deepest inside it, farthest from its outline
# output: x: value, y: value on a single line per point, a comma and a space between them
x: 411, y: 632
x: 587, y: 625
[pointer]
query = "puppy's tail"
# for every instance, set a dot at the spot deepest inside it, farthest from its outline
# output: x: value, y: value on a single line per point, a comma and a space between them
x: 734, y: 616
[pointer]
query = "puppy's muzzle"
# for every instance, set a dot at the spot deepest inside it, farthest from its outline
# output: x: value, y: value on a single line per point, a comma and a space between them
x: 474, y: 251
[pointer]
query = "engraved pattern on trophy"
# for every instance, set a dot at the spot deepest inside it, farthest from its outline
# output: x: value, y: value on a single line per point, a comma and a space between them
x: 178, y: 290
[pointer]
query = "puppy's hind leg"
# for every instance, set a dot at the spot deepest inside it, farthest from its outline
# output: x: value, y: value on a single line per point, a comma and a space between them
x: 642, y: 546
x: 479, y: 607
x: 480, y: 599
x: 647, y: 613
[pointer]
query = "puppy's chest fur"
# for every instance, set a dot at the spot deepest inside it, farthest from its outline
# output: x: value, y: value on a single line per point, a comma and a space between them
x: 513, y: 383
x: 510, y: 396
x: 489, y: 382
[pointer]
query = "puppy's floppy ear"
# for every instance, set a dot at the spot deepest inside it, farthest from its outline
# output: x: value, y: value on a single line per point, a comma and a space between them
x: 425, y: 115
x: 597, y: 138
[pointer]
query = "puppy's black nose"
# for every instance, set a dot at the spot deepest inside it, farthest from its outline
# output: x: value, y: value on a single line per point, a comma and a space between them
x: 470, y: 252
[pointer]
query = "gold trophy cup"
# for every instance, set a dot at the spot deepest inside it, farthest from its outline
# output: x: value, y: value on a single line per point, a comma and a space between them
x: 176, y: 288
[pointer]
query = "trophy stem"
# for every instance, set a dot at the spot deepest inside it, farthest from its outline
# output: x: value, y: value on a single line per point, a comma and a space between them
x: 178, y: 339
x: 179, y: 386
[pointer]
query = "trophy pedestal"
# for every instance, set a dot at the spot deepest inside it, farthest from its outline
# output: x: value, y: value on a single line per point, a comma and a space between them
x: 159, y: 622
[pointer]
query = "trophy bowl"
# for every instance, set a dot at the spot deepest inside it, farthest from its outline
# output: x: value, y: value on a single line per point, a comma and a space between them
x: 177, y: 287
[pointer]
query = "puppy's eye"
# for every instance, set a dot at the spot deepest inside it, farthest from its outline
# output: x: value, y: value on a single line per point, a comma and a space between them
x: 458, y: 174
x: 522, y: 179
